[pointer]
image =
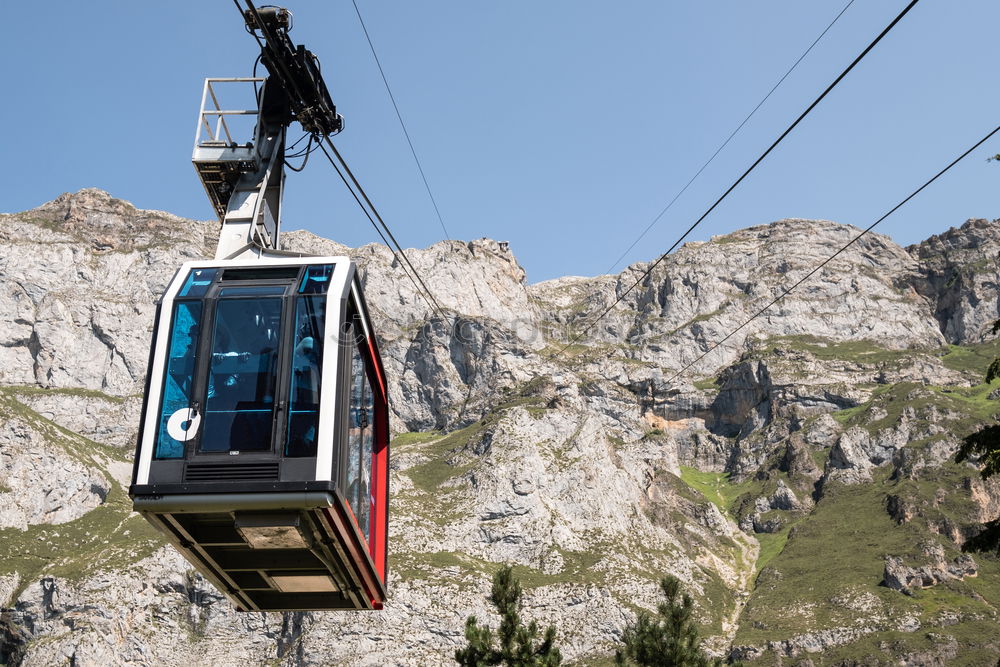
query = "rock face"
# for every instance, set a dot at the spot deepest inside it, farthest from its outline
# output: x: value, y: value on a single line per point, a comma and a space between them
x: 961, y: 274
x: 783, y: 478
x: 905, y: 579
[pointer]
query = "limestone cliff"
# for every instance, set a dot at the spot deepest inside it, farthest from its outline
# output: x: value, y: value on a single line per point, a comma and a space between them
x: 798, y: 479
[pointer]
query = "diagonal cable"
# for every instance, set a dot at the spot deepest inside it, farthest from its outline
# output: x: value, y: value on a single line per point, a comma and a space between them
x: 399, y: 115
x: 834, y: 255
x: 728, y: 139
x: 425, y: 292
x: 739, y: 180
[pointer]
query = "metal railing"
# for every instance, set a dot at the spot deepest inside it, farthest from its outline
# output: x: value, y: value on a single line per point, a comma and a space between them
x: 212, y: 125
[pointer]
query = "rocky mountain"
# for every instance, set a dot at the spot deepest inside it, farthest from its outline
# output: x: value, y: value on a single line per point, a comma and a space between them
x: 798, y: 479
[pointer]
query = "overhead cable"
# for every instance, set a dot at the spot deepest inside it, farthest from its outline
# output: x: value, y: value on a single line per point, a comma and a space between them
x: 739, y: 180
x: 728, y: 139
x: 399, y: 115
x: 834, y: 255
x: 369, y: 211
x: 380, y: 225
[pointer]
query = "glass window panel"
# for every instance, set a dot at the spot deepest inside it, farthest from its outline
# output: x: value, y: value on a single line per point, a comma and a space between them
x: 175, y: 416
x: 364, y: 493
x: 359, y: 451
x: 242, y: 374
x: 317, y: 279
x: 307, y: 364
x: 261, y: 273
x: 354, y: 430
x: 197, y: 282
x: 262, y: 290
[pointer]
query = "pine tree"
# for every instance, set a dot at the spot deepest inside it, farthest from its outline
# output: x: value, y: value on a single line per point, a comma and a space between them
x: 985, y: 444
x: 667, y: 639
x: 517, y: 647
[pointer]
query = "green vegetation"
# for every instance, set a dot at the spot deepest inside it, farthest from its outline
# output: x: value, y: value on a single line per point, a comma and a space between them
x: 837, y: 555
x: 969, y: 405
x: 578, y: 567
x: 970, y: 358
x: 771, y: 544
x: 716, y: 487
x: 668, y: 639
x: 984, y: 445
x: 414, y: 438
x: 446, y: 454
x: 440, y: 467
x: 729, y: 238
x: 435, y: 565
x: 77, y: 392
x: 736, y: 499
x: 108, y: 537
x: 824, y: 349
x: 569, y: 351
x: 701, y: 317
x: 515, y: 644
x: 820, y: 456
x: 706, y: 384
x: 975, y: 636
x: 77, y: 447
x: 580, y: 354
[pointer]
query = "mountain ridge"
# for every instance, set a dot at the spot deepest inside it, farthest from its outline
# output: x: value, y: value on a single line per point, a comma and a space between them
x: 589, y: 470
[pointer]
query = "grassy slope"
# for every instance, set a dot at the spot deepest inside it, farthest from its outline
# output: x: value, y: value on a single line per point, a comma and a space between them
x: 107, y: 538
x: 838, y: 549
x: 837, y: 554
x: 811, y: 573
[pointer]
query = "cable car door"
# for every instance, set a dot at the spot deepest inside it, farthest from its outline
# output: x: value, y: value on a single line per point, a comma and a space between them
x: 241, y: 355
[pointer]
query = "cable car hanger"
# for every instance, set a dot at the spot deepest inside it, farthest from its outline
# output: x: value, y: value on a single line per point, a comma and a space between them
x: 263, y: 449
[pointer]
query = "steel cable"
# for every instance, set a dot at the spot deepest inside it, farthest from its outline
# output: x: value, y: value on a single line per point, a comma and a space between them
x: 399, y: 115
x: 834, y: 255
x: 729, y: 138
x: 380, y: 226
x: 739, y: 180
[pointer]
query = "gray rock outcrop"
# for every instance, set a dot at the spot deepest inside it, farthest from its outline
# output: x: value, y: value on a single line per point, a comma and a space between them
x: 595, y: 469
x: 903, y: 578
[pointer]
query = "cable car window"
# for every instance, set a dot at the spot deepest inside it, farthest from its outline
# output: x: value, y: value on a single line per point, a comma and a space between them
x: 239, y: 401
x: 365, y: 494
x: 261, y: 273
x: 197, y: 282
x: 316, y: 279
x: 359, y: 450
x: 264, y: 290
x: 178, y: 421
x: 354, y: 429
x: 307, y: 363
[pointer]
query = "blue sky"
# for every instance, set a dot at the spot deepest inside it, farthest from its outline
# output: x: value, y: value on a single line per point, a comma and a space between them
x: 562, y: 126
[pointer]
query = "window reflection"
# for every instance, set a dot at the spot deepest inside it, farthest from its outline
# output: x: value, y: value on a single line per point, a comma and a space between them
x: 364, y: 491
x: 359, y: 449
x: 240, y: 397
x: 307, y: 360
x: 175, y: 423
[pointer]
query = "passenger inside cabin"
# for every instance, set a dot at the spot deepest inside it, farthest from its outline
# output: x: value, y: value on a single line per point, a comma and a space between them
x: 305, y: 396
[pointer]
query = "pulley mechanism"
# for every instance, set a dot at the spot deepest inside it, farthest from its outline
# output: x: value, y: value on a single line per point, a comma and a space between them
x: 243, y: 172
x: 295, y: 70
x: 263, y: 449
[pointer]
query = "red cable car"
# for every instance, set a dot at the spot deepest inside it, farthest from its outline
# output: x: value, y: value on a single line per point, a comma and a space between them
x: 263, y: 453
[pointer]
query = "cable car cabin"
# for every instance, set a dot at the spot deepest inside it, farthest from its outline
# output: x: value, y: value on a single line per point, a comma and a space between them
x: 263, y: 451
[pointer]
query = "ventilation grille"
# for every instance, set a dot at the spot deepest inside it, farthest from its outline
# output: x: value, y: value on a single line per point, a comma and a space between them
x: 207, y: 472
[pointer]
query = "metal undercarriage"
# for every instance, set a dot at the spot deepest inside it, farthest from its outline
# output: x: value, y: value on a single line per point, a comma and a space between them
x: 311, y: 564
